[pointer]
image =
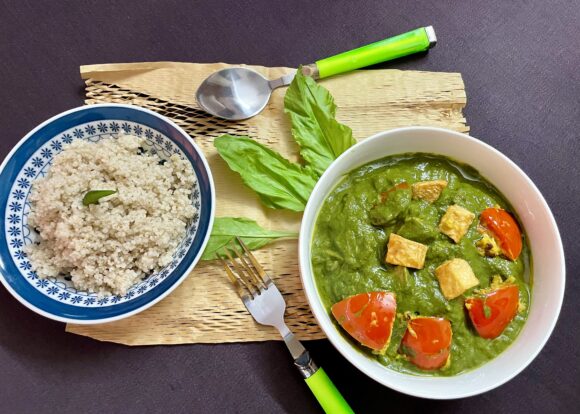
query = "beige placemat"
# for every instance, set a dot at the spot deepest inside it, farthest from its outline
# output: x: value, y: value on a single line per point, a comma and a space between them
x: 205, y: 309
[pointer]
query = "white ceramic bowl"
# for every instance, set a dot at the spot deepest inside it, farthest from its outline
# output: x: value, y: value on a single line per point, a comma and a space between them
x: 536, y: 217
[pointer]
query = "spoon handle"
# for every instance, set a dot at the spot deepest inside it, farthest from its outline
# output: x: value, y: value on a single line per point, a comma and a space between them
x: 418, y: 40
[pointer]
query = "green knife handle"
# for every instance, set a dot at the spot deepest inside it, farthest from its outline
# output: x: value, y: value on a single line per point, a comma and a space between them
x: 327, y: 394
x: 418, y: 40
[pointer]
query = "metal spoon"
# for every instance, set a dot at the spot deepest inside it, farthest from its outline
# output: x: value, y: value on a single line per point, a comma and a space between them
x: 240, y: 93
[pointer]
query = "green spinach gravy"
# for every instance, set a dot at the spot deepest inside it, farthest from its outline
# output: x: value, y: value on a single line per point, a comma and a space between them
x: 348, y: 254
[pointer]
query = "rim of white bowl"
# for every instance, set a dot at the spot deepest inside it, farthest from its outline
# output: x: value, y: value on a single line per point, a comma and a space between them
x: 323, y: 318
x: 181, y: 278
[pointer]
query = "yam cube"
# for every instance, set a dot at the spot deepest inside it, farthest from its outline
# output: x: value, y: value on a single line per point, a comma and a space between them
x: 404, y: 252
x: 455, y: 222
x: 455, y: 277
x: 428, y: 190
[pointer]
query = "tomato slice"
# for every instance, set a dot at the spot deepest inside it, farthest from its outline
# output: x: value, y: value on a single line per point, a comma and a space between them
x: 368, y: 318
x: 493, y: 311
x: 505, y: 230
x: 427, y: 342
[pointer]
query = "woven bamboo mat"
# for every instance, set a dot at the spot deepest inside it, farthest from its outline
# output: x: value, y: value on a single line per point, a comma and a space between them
x: 205, y: 309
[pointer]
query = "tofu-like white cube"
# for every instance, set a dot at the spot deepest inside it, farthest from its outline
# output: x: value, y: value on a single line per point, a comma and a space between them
x: 405, y: 252
x: 428, y: 190
x: 455, y: 222
x: 455, y: 277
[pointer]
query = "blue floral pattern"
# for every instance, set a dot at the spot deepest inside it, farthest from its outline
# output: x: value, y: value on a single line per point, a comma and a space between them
x: 18, y: 194
x: 23, y: 183
x: 37, y: 162
x: 30, y: 172
x: 78, y: 133
x: 102, y: 127
x: 18, y: 234
x: 56, y: 145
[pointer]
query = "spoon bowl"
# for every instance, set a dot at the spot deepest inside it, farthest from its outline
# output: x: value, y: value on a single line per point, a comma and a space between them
x: 234, y: 93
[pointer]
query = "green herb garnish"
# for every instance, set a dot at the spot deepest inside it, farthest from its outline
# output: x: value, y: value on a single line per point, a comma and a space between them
x: 312, y: 111
x: 486, y: 310
x: 226, y: 229
x: 93, y: 197
x: 278, y: 182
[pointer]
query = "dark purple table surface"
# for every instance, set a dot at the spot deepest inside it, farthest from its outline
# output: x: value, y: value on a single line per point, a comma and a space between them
x: 520, y: 61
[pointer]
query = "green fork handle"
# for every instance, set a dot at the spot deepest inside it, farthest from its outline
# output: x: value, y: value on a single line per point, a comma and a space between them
x: 327, y: 394
x: 418, y: 40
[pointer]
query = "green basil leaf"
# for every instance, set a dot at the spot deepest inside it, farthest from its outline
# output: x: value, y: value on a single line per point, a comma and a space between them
x: 226, y: 229
x: 93, y: 197
x: 312, y: 112
x: 486, y: 310
x: 278, y: 182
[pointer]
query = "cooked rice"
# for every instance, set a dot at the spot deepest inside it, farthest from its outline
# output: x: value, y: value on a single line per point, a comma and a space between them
x: 109, y: 246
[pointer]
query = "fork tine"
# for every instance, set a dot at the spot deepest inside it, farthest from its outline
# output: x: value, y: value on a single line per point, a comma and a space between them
x: 229, y: 272
x: 263, y: 275
x: 258, y: 282
x: 240, y: 287
x: 241, y: 275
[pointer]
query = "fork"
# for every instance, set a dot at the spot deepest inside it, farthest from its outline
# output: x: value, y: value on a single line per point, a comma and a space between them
x: 266, y: 304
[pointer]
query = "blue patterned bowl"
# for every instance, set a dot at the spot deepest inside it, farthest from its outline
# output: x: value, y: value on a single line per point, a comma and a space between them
x: 56, y: 298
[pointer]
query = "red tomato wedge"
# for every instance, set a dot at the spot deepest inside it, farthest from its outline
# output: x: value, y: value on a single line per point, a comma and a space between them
x: 368, y: 318
x: 427, y: 342
x: 493, y: 311
x: 504, y: 229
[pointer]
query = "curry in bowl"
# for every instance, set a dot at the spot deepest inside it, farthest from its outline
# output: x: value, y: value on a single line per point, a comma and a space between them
x: 422, y: 264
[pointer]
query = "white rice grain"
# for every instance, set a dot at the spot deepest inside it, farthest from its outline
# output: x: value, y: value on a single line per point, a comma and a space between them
x: 109, y: 246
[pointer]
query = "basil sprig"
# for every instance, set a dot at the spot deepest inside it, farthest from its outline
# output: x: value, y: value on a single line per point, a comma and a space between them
x: 226, y: 229
x: 279, y: 183
x: 93, y: 197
